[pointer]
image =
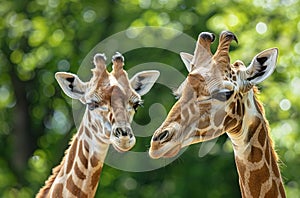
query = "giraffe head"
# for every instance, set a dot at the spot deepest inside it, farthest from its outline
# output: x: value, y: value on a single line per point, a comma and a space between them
x: 210, y: 97
x: 111, y: 99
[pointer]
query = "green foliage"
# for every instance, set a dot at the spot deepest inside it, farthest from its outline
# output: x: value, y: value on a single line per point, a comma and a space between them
x: 40, y: 37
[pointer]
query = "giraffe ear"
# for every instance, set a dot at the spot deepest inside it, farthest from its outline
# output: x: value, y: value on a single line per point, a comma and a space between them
x: 71, y: 84
x: 187, y: 59
x: 262, y: 66
x: 143, y: 81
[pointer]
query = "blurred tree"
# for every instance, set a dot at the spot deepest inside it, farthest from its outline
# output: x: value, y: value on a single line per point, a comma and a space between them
x: 40, y: 37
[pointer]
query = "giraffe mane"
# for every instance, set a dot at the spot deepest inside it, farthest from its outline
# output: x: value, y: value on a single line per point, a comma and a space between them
x: 44, y: 191
x: 48, y: 183
x: 261, y: 109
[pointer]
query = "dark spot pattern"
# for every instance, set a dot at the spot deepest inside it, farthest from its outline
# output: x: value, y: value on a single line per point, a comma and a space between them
x: 75, y: 190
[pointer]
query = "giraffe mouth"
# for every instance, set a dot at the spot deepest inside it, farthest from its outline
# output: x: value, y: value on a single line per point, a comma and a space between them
x: 167, y: 151
x: 172, y: 152
x: 122, y: 149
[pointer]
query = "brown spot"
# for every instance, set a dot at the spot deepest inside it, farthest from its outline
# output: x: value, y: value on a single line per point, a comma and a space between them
x: 248, y: 103
x: 273, y: 192
x: 94, y: 128
x: 238, y: 107
x: 232, y: 107
x: 81, y: 156
x: 234, y: 78
x: 200, y: 133
x: 219, y: 117
x: 75, y: 190
x: 241, y: 170
x: 262, y: 137
x: 212, y: 133
x: 86, y: 146
x: 253, y: 127
x: 255, y: 155
x: 185, y: 115
x: 78, y: 172
x: 192, y: 108
x: 94, y: 160
x: 281, y: 190
x: 258, y: 177
x: 80, y: 131
x: 177, y: 118
x: 110, y: 117
x: 57, y: 191
x: 274, y: 165
x: 95, y: 177
x: 87, y: 132
x: 204, y: 123
x: 196, y: 81
x: 71, y: 155
x: 243, y: 110
x: 89, y: 117
x: 174, y: 114
x: 229, y: 123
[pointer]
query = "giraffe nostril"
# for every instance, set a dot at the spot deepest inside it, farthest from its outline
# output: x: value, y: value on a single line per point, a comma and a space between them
x: 161, y: 136
x: 122, y: 132
x: 118, y: 132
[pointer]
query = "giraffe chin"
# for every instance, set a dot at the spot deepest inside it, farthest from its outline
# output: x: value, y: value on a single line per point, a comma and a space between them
x: 121, y: 149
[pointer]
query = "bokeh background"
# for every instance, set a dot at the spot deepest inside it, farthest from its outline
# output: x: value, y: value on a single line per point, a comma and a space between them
x: 41, y: 37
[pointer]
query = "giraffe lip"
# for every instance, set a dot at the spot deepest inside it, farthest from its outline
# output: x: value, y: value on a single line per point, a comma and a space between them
x: 122, y: 149
x: 172, y: 152
x: 164, y: 152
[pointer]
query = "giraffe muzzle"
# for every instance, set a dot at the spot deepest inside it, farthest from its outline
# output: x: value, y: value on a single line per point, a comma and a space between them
x: 122, y: 138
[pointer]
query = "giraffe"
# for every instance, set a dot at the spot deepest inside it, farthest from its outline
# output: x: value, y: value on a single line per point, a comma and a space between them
x: 111, y: 100
x: 216, y: 98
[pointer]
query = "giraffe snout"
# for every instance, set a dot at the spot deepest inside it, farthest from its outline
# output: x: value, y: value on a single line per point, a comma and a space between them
x: 122, y: 138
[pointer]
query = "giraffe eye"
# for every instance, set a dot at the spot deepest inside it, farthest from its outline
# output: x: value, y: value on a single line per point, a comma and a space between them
x: 93, y: 105
x: 222, y: 95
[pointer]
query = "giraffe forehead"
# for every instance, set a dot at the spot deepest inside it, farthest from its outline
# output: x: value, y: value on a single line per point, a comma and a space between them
x: 113, y: 87
x: 206, y: 82
x: 219, y: 79
x: 114, y: 93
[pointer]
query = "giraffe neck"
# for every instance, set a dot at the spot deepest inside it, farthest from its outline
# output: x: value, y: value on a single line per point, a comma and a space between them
x: 255, y: 157
x: 79, y: 172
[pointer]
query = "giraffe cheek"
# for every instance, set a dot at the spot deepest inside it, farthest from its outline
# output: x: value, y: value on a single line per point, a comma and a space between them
x: 219, y: 117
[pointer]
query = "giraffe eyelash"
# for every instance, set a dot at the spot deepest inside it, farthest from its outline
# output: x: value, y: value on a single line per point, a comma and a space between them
x: 137, y: 104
